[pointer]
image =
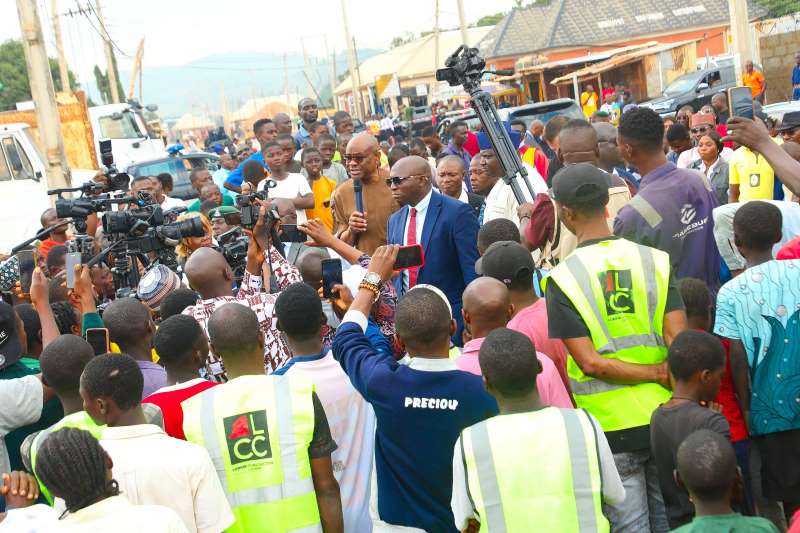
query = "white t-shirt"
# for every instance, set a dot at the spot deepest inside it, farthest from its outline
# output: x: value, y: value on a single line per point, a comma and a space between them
x: 501, y: 203
x: 117, y: 514
x: 21, y: 402
x: 171, y: 203
x: 290, y: 187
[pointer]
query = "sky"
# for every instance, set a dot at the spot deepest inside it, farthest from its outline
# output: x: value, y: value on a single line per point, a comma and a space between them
x: 180, y: 31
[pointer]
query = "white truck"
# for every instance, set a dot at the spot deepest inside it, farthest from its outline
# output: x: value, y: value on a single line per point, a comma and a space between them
x: 23, y: 184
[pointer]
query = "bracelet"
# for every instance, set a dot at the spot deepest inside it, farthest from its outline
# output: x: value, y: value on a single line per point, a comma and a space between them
x: 370, y: 287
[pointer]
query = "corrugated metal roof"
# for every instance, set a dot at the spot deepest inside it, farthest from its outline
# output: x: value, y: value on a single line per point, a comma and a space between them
x: 575, y: 23
x: 416, y: 59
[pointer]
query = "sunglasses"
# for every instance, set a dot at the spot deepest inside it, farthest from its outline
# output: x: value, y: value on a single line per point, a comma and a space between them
x: 398, y: 180
x: 357, y: 158
x: 701, y: 129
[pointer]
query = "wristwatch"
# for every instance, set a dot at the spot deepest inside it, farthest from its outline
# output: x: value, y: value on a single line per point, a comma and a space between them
x: 371, y: 282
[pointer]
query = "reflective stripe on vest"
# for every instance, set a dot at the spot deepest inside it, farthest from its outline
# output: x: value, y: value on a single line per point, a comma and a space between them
x: 579, y: 497
x: 257, y: 430
x: 619, y: 288
x: 292, y: 484
x: 646, y: 210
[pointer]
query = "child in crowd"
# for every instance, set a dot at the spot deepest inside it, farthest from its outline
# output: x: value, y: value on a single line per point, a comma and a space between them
x: 696, y: 362
x: 706, y: 466
x: 699, y: 306
x: 321, y: 186
x: 289, y: 185
x: 326, y: 145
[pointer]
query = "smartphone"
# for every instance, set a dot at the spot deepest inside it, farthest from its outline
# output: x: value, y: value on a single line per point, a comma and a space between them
x: 73, y: 258
x: 26, y: 264
x: 740, y: 102
x: 290, y: 233
x: 98, y: 340
x: 331, y: 275
x: 409, y: 256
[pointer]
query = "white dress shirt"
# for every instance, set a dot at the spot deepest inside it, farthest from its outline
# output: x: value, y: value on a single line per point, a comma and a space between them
x: 153, y: 468
x: 501, y: 203
x: 422, y: 210
x: 688, y: 156
x: 463, y: 197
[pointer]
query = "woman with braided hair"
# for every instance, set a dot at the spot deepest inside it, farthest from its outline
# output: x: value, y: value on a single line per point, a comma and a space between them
x: 74, y: 467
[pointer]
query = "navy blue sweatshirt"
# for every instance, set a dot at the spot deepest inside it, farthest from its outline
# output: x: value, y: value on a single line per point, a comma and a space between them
x: 420, y: 415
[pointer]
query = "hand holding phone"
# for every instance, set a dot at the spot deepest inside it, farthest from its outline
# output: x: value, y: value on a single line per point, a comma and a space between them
x: 290, y: 233
x: 331, y: 275
x: 409, y: 256
x: 73, y: 260
x: 98, y: 339
x: 740, y: 102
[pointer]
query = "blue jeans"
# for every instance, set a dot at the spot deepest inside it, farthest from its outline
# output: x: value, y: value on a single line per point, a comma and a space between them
x: 643, y: 508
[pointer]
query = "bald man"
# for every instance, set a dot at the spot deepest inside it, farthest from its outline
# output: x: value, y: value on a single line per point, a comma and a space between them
x: 450, y: 175
x: 363, y: 230
x: 283, y: 124
x: 487, y: 307
x: 210, y: 275
x: 446, y: 228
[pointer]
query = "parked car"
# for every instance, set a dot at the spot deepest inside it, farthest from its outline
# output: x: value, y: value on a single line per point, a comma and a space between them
x: 179, y: 166
x: 694, y: 89
x: 778, y: 109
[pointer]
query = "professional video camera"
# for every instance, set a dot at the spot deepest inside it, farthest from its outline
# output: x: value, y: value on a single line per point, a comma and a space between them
x: 465, y: 67
x: 233, y: 246
x: 145, y: 229
x: 248, y: 208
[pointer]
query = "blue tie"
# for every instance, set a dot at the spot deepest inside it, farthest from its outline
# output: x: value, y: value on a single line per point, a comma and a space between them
x: 480, y: 214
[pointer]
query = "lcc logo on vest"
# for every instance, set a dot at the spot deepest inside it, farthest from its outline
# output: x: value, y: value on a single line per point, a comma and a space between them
x: 247, y: 437
x: 617, y: 291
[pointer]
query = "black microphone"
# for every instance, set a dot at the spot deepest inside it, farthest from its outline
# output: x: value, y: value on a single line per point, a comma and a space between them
x: 357, y: 190
x: 42, y: 234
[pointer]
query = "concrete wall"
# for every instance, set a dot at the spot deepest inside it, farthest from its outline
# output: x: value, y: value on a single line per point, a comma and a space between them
x: 777, y: 56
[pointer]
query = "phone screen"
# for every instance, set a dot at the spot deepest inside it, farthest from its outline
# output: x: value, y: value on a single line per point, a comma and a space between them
x: 98, y: 340
x: 73, y: 258
x: 740, y: 102
x: 26, y: 266
x: 331, y: 275
x: 290, y: 233
x: 409, y: 256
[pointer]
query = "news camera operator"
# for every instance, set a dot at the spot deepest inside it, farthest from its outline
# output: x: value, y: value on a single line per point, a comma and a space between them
x: 188, y: 245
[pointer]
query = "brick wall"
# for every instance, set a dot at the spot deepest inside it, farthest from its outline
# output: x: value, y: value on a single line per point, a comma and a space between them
x: 777, y: 56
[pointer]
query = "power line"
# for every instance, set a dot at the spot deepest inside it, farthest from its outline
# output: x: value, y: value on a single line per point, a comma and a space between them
x: 105, y: 30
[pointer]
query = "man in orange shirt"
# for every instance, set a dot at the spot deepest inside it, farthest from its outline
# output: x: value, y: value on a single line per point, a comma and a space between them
x: 755, y: 80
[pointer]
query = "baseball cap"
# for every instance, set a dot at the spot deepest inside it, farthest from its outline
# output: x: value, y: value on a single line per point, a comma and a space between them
x: 10, y: 346
x: 156, y: 284
x: 506, y: 261
x: 222, y: 211
x: 579, y: 184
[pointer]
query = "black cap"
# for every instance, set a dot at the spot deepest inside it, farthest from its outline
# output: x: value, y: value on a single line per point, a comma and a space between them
x: 790, y: 121
x: 506, y: 261
x: 10, y: 346
x: 580, y: 184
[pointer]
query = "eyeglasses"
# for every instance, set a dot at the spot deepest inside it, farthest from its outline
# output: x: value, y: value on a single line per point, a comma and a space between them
x: 701, y: 129
x: 398, y: 180
x: 357, y: 158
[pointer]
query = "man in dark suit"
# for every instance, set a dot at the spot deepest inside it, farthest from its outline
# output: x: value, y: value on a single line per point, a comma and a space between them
x: 450, y: 173
x: 446, y: 228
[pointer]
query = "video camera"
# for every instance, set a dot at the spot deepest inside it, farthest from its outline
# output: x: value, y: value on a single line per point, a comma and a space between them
x: 233, y: 246
x: 147, y: 229
x: 465, y: 67
x: 249, y: 210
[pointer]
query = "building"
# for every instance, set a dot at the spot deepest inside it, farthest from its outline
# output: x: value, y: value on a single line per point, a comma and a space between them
x: 561, y: 36
x: 405, y: 74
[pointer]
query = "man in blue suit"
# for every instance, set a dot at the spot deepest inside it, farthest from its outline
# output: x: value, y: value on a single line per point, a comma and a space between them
x: 446, y: 228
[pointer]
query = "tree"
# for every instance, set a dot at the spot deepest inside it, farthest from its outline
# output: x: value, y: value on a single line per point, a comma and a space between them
x: 400, y: 40
x: 778, y: 8
x: 490, y: 20
x: 103, y: 85
x: 14, y: 74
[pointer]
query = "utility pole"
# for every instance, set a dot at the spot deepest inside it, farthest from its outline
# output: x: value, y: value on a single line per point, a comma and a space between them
x: 286, y: 86
x: 63, y: 71
x: 739, y: 38
x: 462, y: 22
x: 306, y: 67
x: 436, y: 35
x: 362, y: 106
x: 44, y: 98
x: 332, y: 73
x: 352, y: 64
x: 112, y: 71
x: 136, y: 71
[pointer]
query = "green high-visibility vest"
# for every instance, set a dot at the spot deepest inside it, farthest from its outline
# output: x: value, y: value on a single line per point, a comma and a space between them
x: 535, y: 471
x: 257, y: 430
x: 79, y: 420
x: 620, y: 290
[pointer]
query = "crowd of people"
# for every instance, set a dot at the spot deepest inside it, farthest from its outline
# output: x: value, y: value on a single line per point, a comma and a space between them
x: 619, y: 352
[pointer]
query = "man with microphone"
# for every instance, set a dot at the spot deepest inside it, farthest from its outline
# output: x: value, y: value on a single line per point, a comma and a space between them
x: 364, y: 225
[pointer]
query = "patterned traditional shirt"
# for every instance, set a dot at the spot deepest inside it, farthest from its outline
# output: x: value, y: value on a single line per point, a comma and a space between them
x: 276, y: 351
